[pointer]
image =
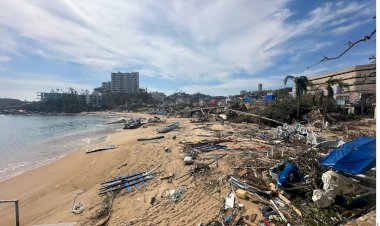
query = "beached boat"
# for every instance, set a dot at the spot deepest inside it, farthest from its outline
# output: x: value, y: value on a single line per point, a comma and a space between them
x: 168, y: 127
x: 133, y: 123
x: 121, y: 120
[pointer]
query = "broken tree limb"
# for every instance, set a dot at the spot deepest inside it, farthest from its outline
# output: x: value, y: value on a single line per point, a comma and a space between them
x: 253, y: 115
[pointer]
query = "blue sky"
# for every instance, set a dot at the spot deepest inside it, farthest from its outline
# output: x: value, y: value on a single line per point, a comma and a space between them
x: 216, y: 47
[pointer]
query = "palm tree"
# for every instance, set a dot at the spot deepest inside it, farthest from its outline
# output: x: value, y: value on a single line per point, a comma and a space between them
x: 328, y: 86
x: 300, y: 83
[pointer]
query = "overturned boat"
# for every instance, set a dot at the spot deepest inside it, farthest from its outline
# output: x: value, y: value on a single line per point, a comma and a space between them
x: 133, y: 123
x: 168, y: 127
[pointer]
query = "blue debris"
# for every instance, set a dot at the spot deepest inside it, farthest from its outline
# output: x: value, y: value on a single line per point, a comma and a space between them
x: 287, y: 173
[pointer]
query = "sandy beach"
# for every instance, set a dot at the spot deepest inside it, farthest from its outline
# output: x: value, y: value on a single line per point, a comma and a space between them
x: 46, y: 194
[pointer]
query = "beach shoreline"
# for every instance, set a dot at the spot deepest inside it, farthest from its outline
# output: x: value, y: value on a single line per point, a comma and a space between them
x: 27, y: 186
x: 67, y: 143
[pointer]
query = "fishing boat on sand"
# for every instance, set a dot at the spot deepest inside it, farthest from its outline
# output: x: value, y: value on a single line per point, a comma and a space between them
x: 133, y: 123
x: 168, y: 127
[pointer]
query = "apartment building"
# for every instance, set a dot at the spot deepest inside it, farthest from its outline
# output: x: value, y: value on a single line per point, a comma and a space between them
x: 125, y: 82
x: 360, y: 81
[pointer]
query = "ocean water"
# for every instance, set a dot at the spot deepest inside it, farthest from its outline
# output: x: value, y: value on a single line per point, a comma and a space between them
x: 29, y: 141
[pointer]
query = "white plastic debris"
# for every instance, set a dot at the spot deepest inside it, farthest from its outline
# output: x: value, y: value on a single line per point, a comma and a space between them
x: 333, y: 184
x: 322, y: 198
x: 337, y: 183
x: 188, y: 160
x: 78, y: 208
x: 230, y: 201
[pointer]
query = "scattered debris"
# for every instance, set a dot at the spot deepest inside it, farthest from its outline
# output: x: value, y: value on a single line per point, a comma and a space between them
x: 333, y: 184
x: 77, y: 208
x: 150, y: 138
x: 188, y: 160
x: 167, y: 150
x: 122, y: 165
x: 102, y: 148
x: 128, y: 182
x: 169, y: 178
x: 178, y: 193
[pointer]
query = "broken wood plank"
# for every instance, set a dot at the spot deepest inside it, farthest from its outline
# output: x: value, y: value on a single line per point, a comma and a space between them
x: 243, y: 172
x: 288, y: 202
x: 249, y: 222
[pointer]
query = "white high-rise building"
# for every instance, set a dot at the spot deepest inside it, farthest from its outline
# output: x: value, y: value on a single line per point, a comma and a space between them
x: 125, y: 82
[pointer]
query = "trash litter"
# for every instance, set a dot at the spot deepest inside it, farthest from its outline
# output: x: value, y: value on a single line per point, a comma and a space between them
x: 330, y: 144
x: 169, y: 178
x: 193, y: 149
x: 297, y: 132
x: 188, y: 160
x: 168, y: 127
x: 239, y: 184
x: 241, y: 194
x: 229, y: 201
x: 128, y: 182
x: 206, y: 147
x: 150, y: 138
x: 167, y: 149
x: 102, y: 148
x: 178, y: 193
x: 333, y: 184
x: 122, y: 165
x: 77, y: 208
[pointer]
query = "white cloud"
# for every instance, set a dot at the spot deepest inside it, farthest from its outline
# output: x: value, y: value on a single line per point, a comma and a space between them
x: 4, y: 58
x: 191, y: 40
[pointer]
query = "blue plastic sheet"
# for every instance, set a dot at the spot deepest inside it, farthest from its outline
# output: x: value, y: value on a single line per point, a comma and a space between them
x: 354, y: 157
x: 248, y: 99
x: 290, y: 174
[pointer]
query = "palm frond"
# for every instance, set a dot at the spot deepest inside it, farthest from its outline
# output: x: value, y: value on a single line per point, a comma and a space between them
x: 288, y: 77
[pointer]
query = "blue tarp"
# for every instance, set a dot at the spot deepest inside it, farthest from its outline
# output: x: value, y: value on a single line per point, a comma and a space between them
x: 248, y: 99
x: 354, y: 157
x: 270, y: 97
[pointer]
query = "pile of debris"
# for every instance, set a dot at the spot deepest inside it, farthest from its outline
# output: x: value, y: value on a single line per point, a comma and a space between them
x: 297, y: 182
x: 297, y: 132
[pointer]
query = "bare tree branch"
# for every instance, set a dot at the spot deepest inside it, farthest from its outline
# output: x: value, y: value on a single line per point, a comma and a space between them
x: 350, y: 46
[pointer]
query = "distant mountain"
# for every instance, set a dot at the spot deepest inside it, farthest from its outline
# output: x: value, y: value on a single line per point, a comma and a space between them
x: 7, y: 102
